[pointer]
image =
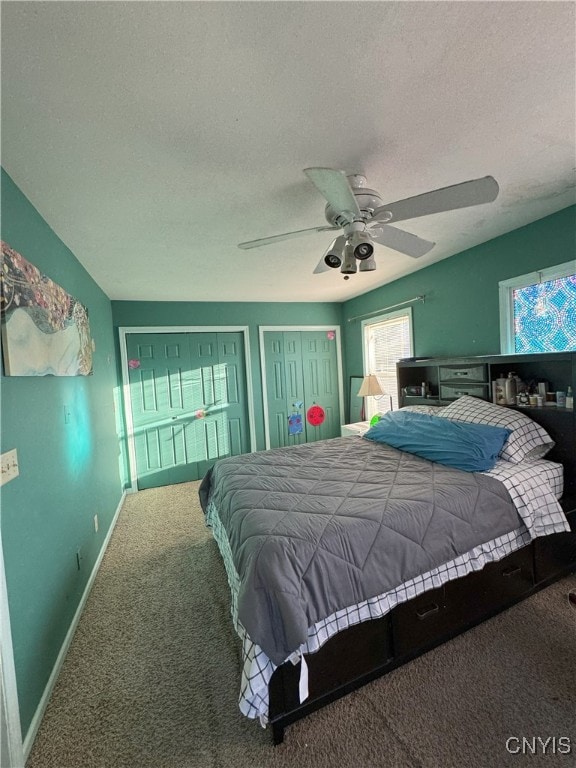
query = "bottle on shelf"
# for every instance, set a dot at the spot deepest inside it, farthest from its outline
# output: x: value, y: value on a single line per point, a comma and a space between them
x: 511, y: 389
x: 499, y: 390
x: 569, y: 398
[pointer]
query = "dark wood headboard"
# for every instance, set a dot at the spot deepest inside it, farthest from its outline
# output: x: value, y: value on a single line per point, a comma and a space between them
x: 558, y: 369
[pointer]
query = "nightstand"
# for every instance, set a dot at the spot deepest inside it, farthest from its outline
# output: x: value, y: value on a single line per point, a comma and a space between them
x: 355, y: 429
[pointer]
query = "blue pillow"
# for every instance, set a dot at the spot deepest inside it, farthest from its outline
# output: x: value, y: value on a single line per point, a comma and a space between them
x: 459, y: 444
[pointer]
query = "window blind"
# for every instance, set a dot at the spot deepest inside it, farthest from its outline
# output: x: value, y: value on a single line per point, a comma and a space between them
x: 386, y: 342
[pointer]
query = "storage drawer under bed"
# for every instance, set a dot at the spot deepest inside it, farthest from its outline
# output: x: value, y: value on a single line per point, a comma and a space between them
x: 445, y: 611
x: 553, y: 555
x: 497, y: 585
x: 364, y: 646
x: 418, y: 620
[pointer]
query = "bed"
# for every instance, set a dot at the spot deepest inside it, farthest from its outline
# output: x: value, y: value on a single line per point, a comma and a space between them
x: 348, y: 557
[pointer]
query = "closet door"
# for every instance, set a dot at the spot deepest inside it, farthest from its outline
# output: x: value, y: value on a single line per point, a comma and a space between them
x: 320, y: 371
x: 301, y: 370
x: 285, y: 387
x: 188, y: 401
x: 220, y: 388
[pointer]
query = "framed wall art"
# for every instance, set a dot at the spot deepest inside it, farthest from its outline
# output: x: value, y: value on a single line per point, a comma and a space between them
x: 45, y: 331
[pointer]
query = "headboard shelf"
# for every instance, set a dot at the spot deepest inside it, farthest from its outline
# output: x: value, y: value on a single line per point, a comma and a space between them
x: 447, y: 378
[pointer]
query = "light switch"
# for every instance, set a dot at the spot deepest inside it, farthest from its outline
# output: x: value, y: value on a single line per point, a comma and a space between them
x: 9, y: 466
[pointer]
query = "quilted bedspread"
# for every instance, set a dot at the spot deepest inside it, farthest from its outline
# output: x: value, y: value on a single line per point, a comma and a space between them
x: 322, y: 526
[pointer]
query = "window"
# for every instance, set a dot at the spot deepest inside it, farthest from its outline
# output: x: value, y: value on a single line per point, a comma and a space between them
x: 538, y: 311
x: 387, y: 339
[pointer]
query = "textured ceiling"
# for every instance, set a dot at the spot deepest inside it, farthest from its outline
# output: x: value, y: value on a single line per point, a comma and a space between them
x: 155, y: 136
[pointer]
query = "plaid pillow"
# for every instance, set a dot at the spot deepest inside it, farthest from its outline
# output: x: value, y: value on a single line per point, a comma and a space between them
x: 528, y: 439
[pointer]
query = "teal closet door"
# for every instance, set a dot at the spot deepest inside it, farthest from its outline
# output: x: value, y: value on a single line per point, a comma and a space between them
x: 220, y: 386
x: 320, y: 371
x: 189, y: 407
x: 285, y: 385
x: 301, y: 371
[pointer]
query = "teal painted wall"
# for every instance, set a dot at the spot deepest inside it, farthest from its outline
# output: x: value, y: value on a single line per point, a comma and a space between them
x: 460, y: 315
x: 253, y: 315
x: 68, y: 472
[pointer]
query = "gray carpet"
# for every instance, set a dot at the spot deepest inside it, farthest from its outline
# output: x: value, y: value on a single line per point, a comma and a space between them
x: 151, y: 678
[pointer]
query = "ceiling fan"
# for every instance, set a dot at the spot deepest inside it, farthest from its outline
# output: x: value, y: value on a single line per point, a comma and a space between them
x: 365, y: 220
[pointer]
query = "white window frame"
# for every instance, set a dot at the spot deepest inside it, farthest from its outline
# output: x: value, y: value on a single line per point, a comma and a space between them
x: 372, y: 407
x: 506, y: 290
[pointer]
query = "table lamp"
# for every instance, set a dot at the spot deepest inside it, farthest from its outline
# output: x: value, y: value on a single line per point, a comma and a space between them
x: 371, y: 387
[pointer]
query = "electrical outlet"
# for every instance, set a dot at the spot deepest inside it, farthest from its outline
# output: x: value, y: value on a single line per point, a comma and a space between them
x: 96, y: 523
x: 9, y: 466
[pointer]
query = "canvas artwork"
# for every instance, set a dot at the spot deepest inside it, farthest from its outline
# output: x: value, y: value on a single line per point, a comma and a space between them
x: 45, y: 331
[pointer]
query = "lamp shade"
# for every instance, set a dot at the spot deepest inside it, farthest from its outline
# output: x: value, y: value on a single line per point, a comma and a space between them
x: 370, y: 386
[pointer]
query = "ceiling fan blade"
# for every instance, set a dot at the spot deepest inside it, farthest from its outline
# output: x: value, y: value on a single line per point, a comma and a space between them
x: 398, y: 240
x: 462, y: 195
x: 285, y: 236
x: 334, y: 187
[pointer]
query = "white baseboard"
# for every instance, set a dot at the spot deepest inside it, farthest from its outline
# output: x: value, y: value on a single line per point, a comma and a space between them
x: 41, y: 708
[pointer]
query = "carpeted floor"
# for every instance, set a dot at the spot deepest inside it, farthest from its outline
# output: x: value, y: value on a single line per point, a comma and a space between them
x: 151, y: 679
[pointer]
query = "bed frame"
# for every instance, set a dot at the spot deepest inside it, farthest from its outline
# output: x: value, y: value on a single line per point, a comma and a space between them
x: 371, y: 649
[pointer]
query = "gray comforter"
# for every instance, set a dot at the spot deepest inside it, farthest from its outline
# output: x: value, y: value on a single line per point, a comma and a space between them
x: 322, y: 526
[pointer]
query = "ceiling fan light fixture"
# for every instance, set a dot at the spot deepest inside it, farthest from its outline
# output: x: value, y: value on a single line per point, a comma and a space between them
x: 364, y: 251
x: 349, y: 264
x: 367, y: 265
x: 335, y: 253
x: 360, y: 242
x: 332, y: 260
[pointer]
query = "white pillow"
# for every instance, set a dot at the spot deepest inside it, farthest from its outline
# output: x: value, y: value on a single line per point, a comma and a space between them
x: 528, y: 439
x: 432, y: 410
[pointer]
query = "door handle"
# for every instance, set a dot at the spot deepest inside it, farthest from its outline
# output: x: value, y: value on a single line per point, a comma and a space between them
x: 190, y: 416
x: 512, y: 571
x: 428, y: 610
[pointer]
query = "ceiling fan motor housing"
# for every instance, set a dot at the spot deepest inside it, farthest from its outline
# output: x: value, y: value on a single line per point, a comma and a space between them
x: 368, y: 200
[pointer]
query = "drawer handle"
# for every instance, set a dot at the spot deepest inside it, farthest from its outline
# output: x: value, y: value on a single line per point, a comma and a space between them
x: 428, y: 610
x: 461, y: 373
x: 512, y: 571
x: 457, y: 392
